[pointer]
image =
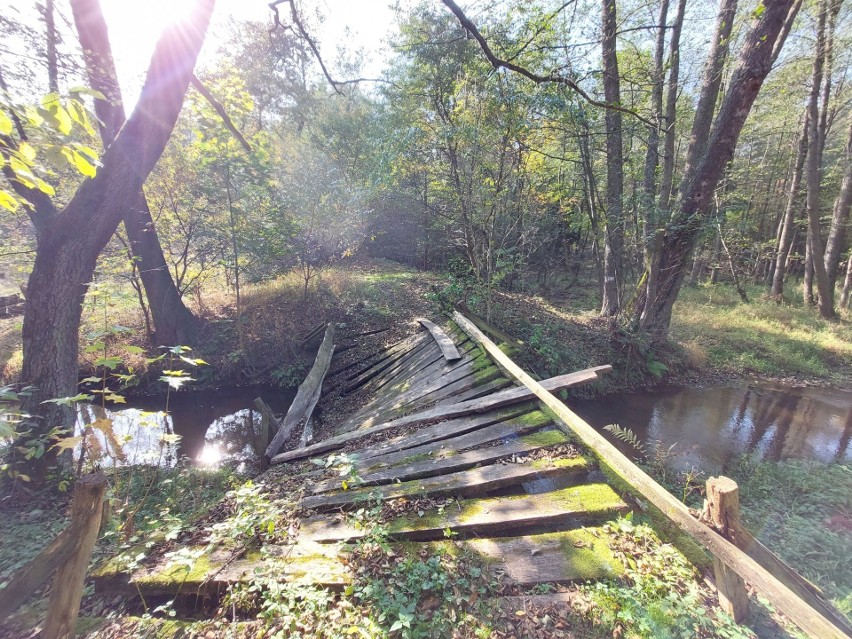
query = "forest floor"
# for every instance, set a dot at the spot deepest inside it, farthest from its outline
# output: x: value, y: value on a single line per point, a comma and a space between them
x: 715, y: 338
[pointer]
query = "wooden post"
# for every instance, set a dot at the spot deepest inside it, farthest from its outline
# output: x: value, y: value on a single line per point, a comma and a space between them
x: 86, y: 513
x: 723, y: 510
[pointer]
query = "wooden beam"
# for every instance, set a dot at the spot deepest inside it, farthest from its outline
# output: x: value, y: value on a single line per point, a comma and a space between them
x: 723, y: 505
x: 35, y: 573
x: 803, y: 615
x: 86, y: 512
x: 440, y: 413
x: 307, y: 395
x: 448, y: 348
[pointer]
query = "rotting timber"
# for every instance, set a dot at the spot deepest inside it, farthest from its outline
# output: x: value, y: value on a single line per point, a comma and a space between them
x: 447, y: 413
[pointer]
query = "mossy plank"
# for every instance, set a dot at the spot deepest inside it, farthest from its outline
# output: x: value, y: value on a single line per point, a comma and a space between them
x: 560, y: 557
x: 566, y: 508
x: 443, y: 430
x: 432, y: 467
x: 448, y: 446
x: 468, y: 483
x: 364, y: 376
x: 477, y: 391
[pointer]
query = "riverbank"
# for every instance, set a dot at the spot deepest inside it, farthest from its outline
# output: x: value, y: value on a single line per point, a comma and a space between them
x: 715, y: 336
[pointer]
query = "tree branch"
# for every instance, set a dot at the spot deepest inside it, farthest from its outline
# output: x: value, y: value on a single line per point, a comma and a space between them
x: 220, y: 109
x: 498, y: 63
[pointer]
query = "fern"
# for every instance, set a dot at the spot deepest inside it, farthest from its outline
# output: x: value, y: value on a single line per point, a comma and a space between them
x: 627, y: 436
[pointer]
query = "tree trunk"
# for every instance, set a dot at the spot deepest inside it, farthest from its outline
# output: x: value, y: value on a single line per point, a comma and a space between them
x: 667, y: 178
x: 51, y: 38
x: 614, y: 227
x: 174, y: 323
x: 680, y: 236
x: 785, y: 240
x: 69, y: 246
x: 847, y: 285
x: 839, y: 219
x: 816, y: 134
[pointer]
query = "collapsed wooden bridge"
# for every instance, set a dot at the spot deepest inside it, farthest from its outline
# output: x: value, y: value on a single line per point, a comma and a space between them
x: 447, y: 414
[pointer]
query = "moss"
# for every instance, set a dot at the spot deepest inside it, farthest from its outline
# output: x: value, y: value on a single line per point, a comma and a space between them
x: 573, y: 463
x: 201, y: 567
x: 544, y: 438
x: 86, y: 625
x: 486, y: 374
x: 534, y: 418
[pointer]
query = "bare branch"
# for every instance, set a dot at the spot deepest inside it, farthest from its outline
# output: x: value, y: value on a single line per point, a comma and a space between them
x: 498, y: 63
x: 204, y: 91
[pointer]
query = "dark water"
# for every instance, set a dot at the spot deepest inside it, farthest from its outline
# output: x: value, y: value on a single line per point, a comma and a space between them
x: 712, y: 426
x: 212, y: 427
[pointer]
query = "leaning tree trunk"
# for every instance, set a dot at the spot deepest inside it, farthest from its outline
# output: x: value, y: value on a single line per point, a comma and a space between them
x: 815, y: 136
x: 681, y: 235
x: 785, y: 239
x: 71, y: 241
x: 847, y: 285
x: 667, y: 177
x: 614, y: 228
x: 174, y: 323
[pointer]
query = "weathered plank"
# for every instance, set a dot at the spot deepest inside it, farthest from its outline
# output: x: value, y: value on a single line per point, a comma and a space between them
x: 86, y: 512
x: 560, y: 557
x: 421, y: 468
x: 614, y: 461
x: 440, y: 431
x: 467, y: 483
x: 442, y: 448
x: 480, y: 405
x: 477, y: 391
x: 359, y: 379
x: 448, y: 348
x: 572, y: 506
x: 307, y: 395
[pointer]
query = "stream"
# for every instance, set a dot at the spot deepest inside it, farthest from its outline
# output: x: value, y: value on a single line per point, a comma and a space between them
x: 206, y: 427
x: 710, y: 427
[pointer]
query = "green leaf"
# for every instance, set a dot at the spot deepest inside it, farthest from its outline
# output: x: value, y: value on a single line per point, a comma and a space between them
x: 130, y: 348
x: 8, y: 201
x: 68, y: 401
x: 5, y: 124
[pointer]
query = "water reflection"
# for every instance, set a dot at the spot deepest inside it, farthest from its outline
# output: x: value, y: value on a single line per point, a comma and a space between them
x: 711, y: 426
x: 206, y: 427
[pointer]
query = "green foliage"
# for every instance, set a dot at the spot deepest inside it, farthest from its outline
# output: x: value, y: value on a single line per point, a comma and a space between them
x: 661, y: 595
x: 255, y: 517
x: 628, y: 437
x: 289, y: 376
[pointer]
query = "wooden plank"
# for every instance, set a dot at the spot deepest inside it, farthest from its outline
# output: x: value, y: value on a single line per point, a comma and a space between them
x: 307, y: 395
x: 561, y: 557
x: 467, y: 483
x: 422, y: 468
x: 489, y: 328
x: 86, y: 512
x: 359, y: 379
x: 803, y: 615
x: 448, y: 348
x: 478, y: 391
x: 481, y: 405
x: 495, y: 516
x: 440, y: 431
x: 446, y: 447
x: 36, y: 572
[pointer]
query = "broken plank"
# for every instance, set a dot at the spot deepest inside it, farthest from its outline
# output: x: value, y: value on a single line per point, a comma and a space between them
x: 440, y: 431
x: 362, y: 377
x: 448, y: 348
x: 440, y: 413
x: 422, y: 468
x: 569, y: 507
x: 467, y: 483
x: 307, y: 395
x: 447, y: 447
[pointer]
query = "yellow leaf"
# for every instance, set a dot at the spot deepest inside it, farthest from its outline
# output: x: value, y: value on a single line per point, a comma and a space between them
x: 67, y: 442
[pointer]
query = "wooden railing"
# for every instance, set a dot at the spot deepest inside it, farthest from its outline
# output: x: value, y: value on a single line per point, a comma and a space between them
x: 68, y: 556
x: 812, y: 621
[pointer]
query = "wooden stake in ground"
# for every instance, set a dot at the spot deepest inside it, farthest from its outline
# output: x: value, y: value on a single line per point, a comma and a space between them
x: 723, y: 509
x: 86, y: 513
